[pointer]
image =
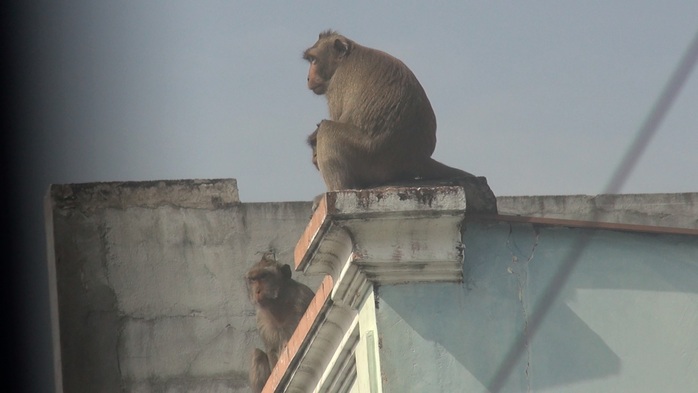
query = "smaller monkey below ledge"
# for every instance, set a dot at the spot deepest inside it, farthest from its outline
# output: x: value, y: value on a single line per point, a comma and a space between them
x: 382, y: 128
x: 280, y: 302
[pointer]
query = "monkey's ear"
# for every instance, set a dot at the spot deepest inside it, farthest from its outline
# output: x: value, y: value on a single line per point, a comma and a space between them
x: 286, y: 271
x: 342, y: 46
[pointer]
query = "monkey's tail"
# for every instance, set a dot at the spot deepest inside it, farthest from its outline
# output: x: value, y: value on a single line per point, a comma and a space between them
x: 435, y: 170
x: 479, y: 195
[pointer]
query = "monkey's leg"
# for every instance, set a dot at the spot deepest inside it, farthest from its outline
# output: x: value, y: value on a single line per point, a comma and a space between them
x: 349, y: 157
x: 259, y: 370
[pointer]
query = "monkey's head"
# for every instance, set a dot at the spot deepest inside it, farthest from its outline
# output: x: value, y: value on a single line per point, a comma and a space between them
x: 266, y: 279
x: 324, y: 57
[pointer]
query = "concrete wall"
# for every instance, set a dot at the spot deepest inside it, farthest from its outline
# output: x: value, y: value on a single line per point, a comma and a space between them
x: 150, y: 283
x: 625, y: 321
x: 149, y: 295
x: 669, y: 210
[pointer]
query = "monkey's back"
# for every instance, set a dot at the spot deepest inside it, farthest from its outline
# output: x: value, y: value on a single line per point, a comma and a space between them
x: 381, y: 95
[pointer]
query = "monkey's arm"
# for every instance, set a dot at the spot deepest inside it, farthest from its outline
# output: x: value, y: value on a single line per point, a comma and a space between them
x: 349, y: 137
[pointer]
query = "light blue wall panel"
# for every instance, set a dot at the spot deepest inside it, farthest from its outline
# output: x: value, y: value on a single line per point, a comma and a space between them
x: 625, y: 321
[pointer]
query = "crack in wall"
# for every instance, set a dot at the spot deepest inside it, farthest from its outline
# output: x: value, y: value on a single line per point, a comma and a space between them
x: 117, y: 351
x: 520, y: 271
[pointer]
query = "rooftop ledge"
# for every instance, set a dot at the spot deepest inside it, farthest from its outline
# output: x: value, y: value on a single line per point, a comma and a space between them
x: 362, y: 238
x: 396, y: 234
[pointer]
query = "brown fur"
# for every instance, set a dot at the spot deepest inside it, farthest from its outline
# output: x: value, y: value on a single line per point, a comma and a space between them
x: 280, y: 302
x: 312, y: 142
x: 260, y: 370
x: 382, y: 128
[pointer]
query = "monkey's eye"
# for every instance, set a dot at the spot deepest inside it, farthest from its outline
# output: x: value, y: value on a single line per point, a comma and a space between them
x: 312, y: 59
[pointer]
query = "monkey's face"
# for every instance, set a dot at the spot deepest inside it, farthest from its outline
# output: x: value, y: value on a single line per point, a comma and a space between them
x: 324, y: 58
x: 267, y: 279
x: 318, y: 77
x: 265, y: 284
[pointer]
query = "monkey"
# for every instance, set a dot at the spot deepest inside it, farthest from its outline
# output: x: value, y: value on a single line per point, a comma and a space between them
x: 280, y: 302
x: 382, y: 128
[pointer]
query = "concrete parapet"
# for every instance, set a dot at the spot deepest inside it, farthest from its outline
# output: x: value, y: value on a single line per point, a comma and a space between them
x: 148, y: 283
x: 665, y: 210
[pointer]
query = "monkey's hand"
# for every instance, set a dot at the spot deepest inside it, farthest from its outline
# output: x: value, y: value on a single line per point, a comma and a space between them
x: 316, y: 202
x: 312, y: 142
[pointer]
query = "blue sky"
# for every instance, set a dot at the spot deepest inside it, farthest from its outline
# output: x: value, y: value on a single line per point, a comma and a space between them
x: 539, y: 97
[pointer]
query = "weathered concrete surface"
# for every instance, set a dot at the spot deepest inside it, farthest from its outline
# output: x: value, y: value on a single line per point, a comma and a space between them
x: 669, y: 210
x: 479, y: 195
x: 197, y: 193
x: 150, y: 288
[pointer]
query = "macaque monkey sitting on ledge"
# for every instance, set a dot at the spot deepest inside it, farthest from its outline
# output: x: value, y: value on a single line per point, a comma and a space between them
x: 382, y: 129
x: 280, y: 302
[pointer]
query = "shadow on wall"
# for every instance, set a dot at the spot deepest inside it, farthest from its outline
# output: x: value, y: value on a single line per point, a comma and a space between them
x: 607, y: 319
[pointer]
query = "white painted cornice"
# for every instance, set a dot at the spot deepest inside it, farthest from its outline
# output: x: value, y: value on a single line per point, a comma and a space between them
x: 360, y: 239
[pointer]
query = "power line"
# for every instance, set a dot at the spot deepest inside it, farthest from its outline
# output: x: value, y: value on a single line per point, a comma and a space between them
x: 620, y: 175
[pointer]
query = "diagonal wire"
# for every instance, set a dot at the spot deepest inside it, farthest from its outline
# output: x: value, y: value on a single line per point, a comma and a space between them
x: 632, y: 156
x: 651, y: 124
